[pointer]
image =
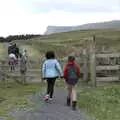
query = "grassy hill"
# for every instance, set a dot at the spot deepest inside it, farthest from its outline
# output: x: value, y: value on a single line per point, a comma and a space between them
x: 67, y: 42
x: 115, y: 24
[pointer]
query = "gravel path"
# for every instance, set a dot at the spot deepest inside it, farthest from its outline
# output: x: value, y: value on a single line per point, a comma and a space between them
x: 54, y: 110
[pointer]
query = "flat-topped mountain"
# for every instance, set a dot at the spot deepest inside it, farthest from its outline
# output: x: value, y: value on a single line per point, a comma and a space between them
x: 102, y: 25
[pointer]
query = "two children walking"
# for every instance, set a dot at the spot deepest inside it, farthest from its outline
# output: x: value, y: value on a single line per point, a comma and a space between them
x: 51, y: 70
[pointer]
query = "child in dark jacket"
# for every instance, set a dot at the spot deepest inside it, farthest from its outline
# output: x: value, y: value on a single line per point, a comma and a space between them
x: 71, y: 76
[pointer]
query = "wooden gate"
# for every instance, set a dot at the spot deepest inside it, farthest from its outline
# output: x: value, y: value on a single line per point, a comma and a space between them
x: 104, y: 67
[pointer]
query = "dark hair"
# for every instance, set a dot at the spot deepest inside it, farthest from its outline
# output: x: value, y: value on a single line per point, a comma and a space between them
x: 50, y: 55
x: 71, y: 58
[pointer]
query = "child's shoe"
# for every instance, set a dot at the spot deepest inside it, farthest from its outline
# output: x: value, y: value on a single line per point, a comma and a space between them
x: 50, y: 99
x: 46, y: 97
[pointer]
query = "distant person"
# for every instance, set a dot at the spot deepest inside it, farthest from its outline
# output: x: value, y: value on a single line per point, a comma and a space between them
x: 51, y: 70
x: 23, y: 68
x: 25, y: 54
x: 17, y: 53
x: 11, y: 48
x: 12, y: 61
x: 71, y: 76
x: 11, y: 55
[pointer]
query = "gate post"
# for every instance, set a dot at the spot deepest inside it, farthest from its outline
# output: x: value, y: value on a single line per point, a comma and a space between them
x: 93, y: 62
x: 3, y: 72
x: 85, y: 67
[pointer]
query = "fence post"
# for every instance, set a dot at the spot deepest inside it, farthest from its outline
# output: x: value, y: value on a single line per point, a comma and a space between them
x: 93, y: 62
x: 3, y: 72
x: 119, y: 67
x: 85, y: 67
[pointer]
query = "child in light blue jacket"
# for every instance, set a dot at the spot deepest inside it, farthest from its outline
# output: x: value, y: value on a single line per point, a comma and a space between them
x: 50, y: 71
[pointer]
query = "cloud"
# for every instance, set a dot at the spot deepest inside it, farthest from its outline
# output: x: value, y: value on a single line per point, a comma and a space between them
x: 33, y: 16
x: 23, y: 24
x: 77, y: 5
x: 37, y: 23
x: 38, y: 6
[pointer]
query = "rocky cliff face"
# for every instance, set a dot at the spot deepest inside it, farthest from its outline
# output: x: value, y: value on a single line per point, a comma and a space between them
x: 102, y: 25
x: 56, y: 29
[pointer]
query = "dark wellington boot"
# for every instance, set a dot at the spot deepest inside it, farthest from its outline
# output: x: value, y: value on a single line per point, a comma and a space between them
x: 68, y: 101
x: 74, y: 105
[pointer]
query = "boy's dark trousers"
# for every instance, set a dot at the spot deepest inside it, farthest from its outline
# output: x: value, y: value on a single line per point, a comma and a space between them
x: 50, y: 86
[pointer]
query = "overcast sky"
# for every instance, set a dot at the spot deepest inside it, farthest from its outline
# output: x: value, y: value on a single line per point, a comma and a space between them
x: 33, y: 16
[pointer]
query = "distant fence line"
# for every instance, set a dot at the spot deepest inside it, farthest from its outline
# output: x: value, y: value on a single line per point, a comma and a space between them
x: 95, y: 66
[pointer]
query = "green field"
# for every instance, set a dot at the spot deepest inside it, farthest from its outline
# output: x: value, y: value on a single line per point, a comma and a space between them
x: 102, y: 103
x: 65, y: 43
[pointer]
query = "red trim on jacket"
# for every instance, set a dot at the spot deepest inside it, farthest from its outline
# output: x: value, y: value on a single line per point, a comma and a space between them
x: 66, y: 68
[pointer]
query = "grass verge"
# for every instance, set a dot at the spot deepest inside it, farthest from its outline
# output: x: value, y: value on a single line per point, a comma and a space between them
x: 16, y: 96
x: 103, y: 103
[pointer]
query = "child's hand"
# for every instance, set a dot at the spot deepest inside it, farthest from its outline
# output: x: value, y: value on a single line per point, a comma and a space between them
x: 43, y: 78
x: 61, y: 77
